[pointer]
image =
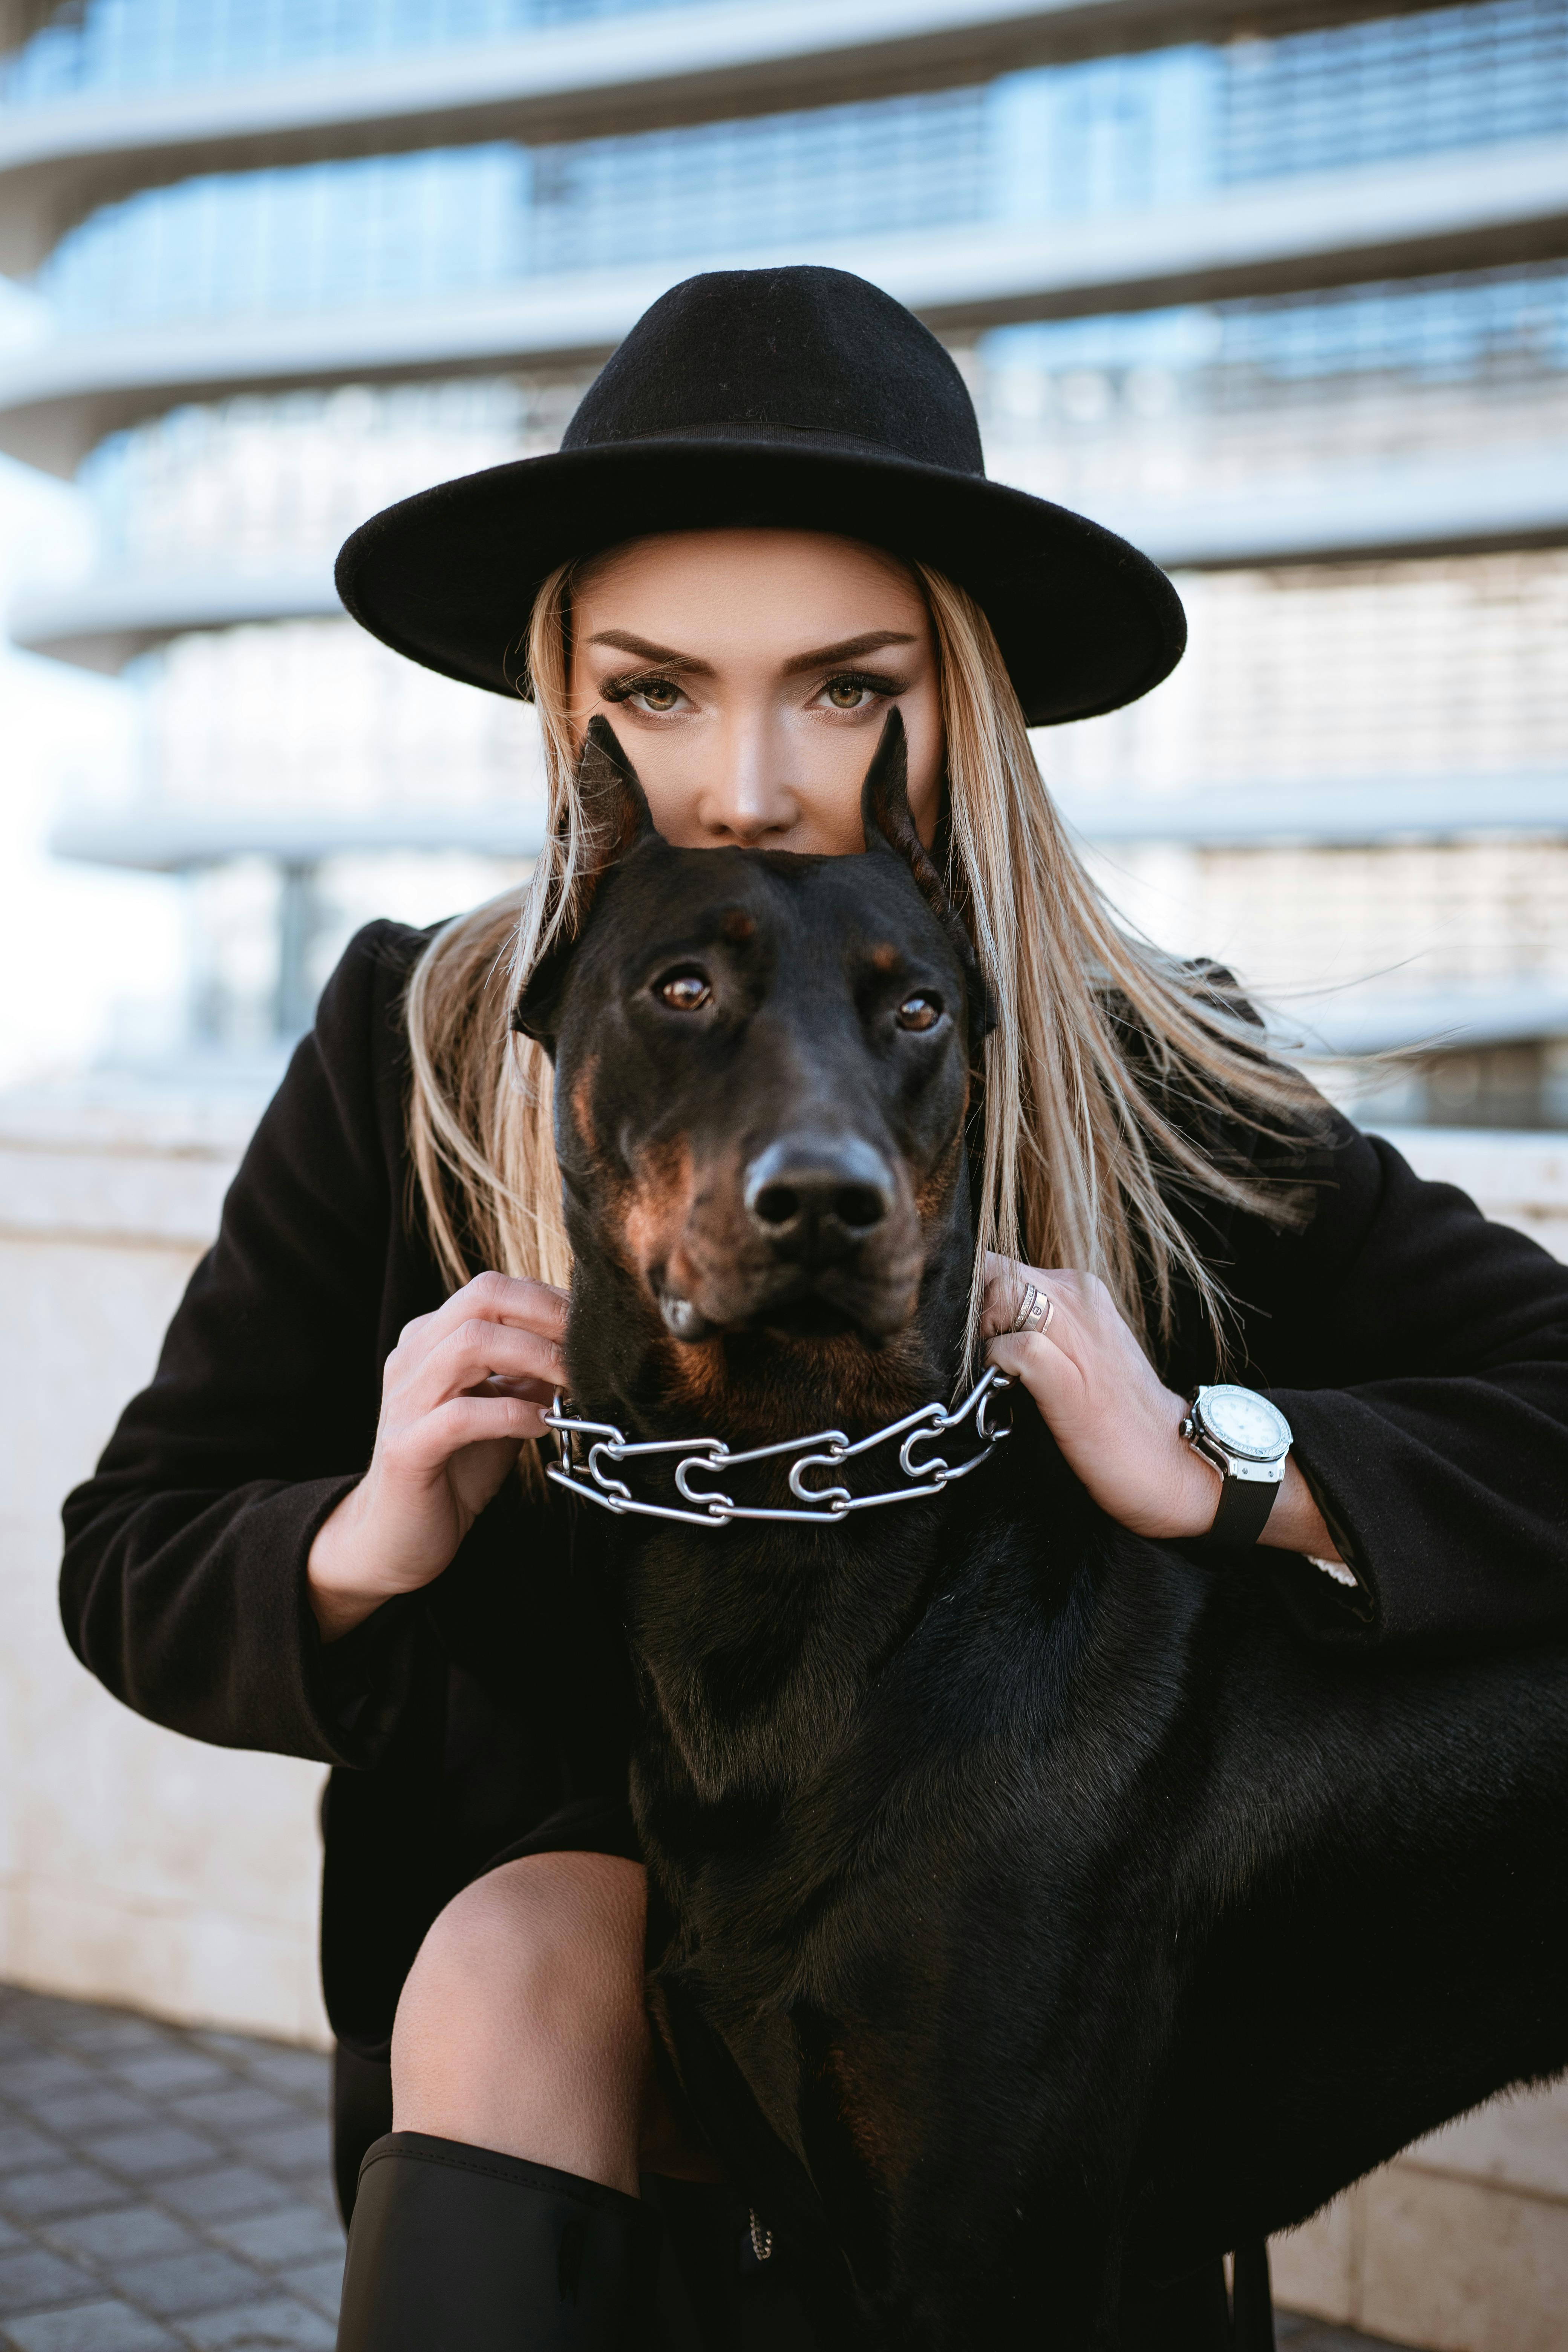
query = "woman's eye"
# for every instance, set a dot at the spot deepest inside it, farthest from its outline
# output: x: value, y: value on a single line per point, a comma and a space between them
x: 658, y: 694
x: 919, y: 1012
x: 683, y: 991
x: 855, y: 689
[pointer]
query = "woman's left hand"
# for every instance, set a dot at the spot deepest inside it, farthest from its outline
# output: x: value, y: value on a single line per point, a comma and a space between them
x: 1117, y: 1424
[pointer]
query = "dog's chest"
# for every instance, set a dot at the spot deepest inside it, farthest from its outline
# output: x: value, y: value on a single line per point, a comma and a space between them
x: 836, y: 1875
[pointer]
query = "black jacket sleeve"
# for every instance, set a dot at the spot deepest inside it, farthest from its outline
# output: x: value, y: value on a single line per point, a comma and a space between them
x: 183, y: 1588
x: 1420, y: 1353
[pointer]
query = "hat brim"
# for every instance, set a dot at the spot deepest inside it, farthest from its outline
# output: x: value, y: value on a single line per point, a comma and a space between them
x: 448, y: 577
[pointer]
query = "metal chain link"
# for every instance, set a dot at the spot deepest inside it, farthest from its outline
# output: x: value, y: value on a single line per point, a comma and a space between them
x: 593, y: 1482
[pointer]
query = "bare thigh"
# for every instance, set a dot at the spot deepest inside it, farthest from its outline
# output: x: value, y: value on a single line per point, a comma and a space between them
x: 523, y: 2026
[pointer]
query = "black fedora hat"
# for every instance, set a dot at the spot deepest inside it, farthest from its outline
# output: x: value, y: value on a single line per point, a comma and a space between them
x: 802, y: 396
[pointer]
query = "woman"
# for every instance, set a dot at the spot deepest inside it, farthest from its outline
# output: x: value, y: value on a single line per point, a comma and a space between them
x: 769, y: 526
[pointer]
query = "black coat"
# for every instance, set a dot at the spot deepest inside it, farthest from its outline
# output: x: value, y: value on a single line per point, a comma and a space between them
x: 1419, y: 1352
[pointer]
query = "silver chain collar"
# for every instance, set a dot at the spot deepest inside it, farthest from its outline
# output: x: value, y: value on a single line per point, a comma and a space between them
x: 596, y: 1483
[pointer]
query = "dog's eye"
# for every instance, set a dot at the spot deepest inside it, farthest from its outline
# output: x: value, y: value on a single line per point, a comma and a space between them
x: 683, y: 991
x: 919, y: 1012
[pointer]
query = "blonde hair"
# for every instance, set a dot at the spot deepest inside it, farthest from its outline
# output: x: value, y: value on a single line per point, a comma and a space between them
x: 1104, y: 1048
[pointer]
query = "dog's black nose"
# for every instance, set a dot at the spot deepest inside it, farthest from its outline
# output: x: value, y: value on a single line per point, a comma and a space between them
x: 817, y: 1194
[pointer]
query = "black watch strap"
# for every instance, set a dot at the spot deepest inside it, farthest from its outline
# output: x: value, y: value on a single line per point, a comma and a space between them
x: 1244, y: 1507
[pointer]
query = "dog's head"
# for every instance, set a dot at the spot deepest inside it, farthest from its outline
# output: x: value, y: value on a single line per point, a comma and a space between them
x: 763, y: 1066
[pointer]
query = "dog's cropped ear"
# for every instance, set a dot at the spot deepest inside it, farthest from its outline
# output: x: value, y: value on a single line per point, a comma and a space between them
x: 614, y: 818
x: 884, y: 814
x: 613, y: 807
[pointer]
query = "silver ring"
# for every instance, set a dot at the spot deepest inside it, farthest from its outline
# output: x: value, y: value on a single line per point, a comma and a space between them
x: 1035, y: 1314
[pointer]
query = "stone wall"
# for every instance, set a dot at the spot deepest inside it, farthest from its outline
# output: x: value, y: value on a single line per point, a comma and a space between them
x: 139, y: 1867
x: 135, y: 1866
x: 1462, y: 2244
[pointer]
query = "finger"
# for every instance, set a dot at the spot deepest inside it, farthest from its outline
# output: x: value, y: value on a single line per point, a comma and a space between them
x: 1005, y: 1287
x: 467, y: 1420
x: 520, y: 1299
x: 477, y: 1352
x: 1022, y: 1355
x: 506, y: 1299
x: 1060, y: 1387
x: 540, y: 1392
x: 1011, y: 1293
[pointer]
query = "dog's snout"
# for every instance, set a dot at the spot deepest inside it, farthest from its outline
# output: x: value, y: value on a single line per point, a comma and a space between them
x: 819, y: 1189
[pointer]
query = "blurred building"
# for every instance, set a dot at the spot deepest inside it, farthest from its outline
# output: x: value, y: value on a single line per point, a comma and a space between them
x: 1278, y: 290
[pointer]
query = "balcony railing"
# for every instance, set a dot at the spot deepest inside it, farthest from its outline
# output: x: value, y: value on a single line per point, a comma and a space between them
x: 117, y: 49
x: 1084, y: 142
x: 1161, y: 413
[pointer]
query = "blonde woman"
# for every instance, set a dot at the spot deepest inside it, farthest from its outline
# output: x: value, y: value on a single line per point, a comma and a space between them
x: 322, y: 1530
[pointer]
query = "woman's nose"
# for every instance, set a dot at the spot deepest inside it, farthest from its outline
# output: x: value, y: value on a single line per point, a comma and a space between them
x: 749, y: 795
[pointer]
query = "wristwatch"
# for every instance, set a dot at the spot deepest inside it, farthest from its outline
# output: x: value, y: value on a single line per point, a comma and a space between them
x: 1248, y: 1441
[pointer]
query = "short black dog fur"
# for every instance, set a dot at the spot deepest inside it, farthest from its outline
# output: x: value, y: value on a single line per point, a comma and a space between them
x: 1041, y: 1917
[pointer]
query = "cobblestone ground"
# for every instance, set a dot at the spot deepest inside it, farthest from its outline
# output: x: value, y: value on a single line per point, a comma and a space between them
x: 160, y: 2188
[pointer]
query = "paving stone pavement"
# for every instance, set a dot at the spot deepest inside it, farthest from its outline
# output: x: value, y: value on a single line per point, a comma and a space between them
x: 161, y: 2188
x: 164, y: 2188
x: 1295, y: 2334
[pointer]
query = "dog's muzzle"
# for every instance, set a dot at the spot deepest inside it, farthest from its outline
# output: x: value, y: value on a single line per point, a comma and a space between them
x: 814, y: 1198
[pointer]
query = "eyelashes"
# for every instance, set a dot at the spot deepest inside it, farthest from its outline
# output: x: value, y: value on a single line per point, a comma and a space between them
x: 625, y: 688
x: 862, y: 682
x: 621, y: 689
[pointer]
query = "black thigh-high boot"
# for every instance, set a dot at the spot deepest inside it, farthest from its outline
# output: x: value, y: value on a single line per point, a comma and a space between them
x: 456, y: 2249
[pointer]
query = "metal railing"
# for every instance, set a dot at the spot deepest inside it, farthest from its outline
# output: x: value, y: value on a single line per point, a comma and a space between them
x: 117, y: 49
x: 1113, y: 136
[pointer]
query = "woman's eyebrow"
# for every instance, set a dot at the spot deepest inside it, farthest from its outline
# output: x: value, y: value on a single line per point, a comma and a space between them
x: 623, y: 642
x: 827, y: 657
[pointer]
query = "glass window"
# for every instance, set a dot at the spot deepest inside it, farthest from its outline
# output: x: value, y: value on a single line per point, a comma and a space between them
x: 1113, y: 135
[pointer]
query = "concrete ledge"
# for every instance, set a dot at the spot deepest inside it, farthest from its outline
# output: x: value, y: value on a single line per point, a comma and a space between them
x: 1521, y: 1179
x: 1461, y: 210
x: 1396, y: 1020
x: 1398, y: 506
x: 1347, y: 811
x: 172, y: 840
x: 190, y: 1956
x: 1421, y: 2252
x: 636, y: 72
x: 106, y: 620
x: 1452, y: 504
x: 1461, y: 2244
x: 134, y: 1865
x: 118, y: 1176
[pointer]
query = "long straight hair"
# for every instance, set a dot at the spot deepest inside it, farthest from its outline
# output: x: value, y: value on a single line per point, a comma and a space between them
x: 1107, y: 1052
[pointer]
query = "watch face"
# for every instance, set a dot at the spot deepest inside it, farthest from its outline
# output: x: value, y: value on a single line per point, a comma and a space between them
x: 1245, y: 1423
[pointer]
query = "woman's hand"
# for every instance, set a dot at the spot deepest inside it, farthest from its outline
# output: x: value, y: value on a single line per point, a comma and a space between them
x: 463, y: 1389
x: 1117, y: 1424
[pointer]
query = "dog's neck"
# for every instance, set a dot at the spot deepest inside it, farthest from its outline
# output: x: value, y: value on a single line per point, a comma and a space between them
x: 752, y: 1641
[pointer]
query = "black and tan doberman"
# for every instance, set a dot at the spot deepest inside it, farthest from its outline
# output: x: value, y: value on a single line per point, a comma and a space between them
x: 1041, y: 1919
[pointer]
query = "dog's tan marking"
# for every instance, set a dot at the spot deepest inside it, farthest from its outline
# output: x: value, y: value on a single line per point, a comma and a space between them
x: 738, y: 924
x: 696, y: 1376
x: 871, y: 1386
x: 886, y: 957
x: 658, y: 1202
x: 868, y: 2123
x: 934, y: 1189
x: 582, y: 1104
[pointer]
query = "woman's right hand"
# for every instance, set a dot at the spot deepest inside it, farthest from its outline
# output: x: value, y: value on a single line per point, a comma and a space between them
x: 463, y: 1390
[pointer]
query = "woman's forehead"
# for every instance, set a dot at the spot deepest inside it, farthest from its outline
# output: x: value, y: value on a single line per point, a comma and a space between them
x: 763, y: 570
